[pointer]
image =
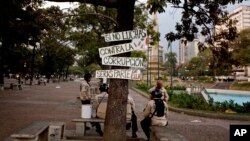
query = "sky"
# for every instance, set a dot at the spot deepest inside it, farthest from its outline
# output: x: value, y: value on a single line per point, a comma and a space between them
x: 166, y: 21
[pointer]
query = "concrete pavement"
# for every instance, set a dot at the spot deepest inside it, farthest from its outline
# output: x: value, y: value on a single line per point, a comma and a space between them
x: 57, y: 102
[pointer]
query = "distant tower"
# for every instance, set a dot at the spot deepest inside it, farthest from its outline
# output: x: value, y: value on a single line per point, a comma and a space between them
x: 187, y: 50
x: 156, y: 55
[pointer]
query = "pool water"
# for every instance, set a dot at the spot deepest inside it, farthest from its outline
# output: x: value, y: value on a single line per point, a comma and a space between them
x: 237, y: 98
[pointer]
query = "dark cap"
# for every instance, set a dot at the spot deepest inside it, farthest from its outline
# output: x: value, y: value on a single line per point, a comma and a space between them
x: 103, y: 87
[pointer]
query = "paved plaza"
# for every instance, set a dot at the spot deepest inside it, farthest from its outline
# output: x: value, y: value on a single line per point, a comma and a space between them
x: 58, y: 102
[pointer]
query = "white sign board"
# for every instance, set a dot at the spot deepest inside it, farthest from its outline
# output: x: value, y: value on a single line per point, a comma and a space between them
x: 123, y: 61
x: 119, y: 74
x: 136, y: 44
x: 125, y: 35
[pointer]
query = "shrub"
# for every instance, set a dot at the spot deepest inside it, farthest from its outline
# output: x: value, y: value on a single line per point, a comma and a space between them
x: 143, y: 86
x: 184, y: 100
x: 188, y: 101
x: 177, y: 87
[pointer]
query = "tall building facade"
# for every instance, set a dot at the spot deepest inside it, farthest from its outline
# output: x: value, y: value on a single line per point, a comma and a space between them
x: 187, y: 50
x: 242, y: 15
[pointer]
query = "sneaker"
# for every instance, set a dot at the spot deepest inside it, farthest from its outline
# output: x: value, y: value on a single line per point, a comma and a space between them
x: 134, y: 135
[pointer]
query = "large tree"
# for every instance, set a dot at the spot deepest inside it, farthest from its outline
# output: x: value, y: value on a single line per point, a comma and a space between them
x: 19, y: 23
x: 240, y: 49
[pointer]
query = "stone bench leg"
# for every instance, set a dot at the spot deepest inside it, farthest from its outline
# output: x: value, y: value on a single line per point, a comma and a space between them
x: 56, y: 131
x: 80, y: 129
x: 15, y: 87
x: 20, y: 87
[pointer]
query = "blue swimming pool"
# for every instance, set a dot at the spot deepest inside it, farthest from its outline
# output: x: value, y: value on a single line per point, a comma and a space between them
x: 221, y: 97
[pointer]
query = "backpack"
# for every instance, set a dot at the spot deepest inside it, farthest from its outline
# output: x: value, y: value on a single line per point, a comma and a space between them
x: 159, y: 107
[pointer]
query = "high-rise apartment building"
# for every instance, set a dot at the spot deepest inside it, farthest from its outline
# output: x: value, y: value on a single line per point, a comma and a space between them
x: 188, y: 50
x: 242, y: 15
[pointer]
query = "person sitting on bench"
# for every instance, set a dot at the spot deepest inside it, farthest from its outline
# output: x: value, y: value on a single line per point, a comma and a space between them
x: 101, y: 101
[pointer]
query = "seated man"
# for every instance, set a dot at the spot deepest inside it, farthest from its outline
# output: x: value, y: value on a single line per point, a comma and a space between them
x: 100, y: 104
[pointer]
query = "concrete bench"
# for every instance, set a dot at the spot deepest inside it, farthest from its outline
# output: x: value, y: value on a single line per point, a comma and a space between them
x: 37, y: 131
x: 41, y: 81
x: 41, y: 131
x: 164, y: 133
x: 11, y: 84
x: 81, y: 122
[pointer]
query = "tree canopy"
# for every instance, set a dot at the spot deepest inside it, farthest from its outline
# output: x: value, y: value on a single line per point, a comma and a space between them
x: 240, y: 49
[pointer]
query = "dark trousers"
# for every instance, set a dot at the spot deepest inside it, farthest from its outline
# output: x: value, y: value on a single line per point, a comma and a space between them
x: 146, y: 129
x: 133, y: 124
x: 97, y: 126
x: 85, y: 101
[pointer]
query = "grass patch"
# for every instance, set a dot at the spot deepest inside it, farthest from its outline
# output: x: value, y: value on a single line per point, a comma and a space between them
x: 244, y: 86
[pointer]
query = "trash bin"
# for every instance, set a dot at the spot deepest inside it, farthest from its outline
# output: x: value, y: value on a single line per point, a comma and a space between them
x: 86, y: 111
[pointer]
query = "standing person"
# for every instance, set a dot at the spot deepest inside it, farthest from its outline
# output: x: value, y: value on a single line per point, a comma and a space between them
x: 85, y: 96
x: 159, y: 85
x: 157, y: 111
x: 85, y: 89
x: 131, y: 116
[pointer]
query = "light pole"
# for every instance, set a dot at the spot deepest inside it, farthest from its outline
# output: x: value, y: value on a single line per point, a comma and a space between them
x: 158, y: 62
x: 171, y: 68
x: 24, y: 72
x: 147, y: 64
x: 149, y: 48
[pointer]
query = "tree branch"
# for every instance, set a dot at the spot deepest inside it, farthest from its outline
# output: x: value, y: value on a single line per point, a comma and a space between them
x: 94, y: 14
x: 106, y: 3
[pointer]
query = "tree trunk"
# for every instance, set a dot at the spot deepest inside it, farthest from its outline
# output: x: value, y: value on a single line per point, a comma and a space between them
x: 115, y: 121
x: 2, y: 57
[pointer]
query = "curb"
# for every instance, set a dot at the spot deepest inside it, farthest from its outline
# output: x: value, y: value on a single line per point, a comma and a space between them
x: 200, y: 113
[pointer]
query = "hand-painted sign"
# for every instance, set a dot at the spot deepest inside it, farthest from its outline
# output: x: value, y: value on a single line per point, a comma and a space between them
x: 125, y: 35
x: 136, y: 44
x: 123, y: 61
x: 119, y: 74
x: 138, y: 38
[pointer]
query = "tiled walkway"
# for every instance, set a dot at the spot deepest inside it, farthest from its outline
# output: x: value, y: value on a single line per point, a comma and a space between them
x: 57, y: 102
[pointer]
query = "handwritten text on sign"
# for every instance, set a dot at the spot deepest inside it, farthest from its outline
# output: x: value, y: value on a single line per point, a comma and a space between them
x: 119, y: 74
x: 136, y: 44
x: 125, y: 35
x: 123, y: 61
